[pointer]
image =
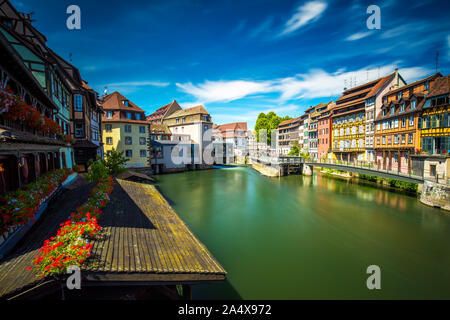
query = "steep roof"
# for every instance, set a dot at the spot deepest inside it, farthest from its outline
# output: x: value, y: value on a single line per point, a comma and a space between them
x: 288, y: 122
x: 440, y: 87
x: 157, y: 128
x: 114, y: 100
x: 162, y: 111
x: 228, y: 129
x: 415, y: 83
x: 188, y: 112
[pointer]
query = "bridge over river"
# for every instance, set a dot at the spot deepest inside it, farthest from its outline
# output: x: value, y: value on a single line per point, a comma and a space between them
x: 292, y: 164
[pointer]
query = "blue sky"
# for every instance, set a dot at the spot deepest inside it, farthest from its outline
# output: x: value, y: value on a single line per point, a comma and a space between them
x: 239, y: 58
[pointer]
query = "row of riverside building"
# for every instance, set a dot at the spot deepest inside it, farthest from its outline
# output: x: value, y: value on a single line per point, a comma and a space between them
x: 386, y: 122
x: 50, y: 118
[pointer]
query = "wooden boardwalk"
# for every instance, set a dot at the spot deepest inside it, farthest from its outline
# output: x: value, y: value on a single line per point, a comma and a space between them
x: 15, y: 279
x: 146, y: 243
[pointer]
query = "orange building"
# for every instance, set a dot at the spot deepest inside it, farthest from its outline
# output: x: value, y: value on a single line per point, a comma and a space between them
x: 396, y: 134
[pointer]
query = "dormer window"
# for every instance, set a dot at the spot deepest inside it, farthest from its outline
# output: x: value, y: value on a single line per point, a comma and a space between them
x: 413, y: 104
x: 402, y: 107
x: 426, y: 85
x: 392, y: 110
x: 125, y: 103
x: 399, y: 95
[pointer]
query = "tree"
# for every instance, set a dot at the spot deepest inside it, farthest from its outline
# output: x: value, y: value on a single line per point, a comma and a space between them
x: 115, y: 162
x: 295, y: 149
x: 268, y: 122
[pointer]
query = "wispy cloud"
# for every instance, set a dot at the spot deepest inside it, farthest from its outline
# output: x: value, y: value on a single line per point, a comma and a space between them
x: 358, y: 35
x: 262, y: 28
x: 317, y: 83
x: 132, y: 86
x: 140, y: 84
x: 305, y: 14
x: 212, y: 91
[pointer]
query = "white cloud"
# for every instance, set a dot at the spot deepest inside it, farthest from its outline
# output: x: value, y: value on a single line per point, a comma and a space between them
x: 358, y: 35
x: 306, y: 13
x: 139, y: 84
x: 316, y: 83
x: 211, y: 91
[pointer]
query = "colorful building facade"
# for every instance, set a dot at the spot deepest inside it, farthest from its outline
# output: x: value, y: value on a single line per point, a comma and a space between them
x: 125, y: 129
x: 396, y: 134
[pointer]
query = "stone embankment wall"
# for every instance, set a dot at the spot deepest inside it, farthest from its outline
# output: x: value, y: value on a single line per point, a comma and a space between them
x: 266, y: 170
x: 436, y: 195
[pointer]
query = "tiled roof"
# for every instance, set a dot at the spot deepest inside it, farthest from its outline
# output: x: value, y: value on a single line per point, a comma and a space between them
x: 114, y: 100
x: 287, y: 122
x: 159, y: 128
x: 368, y: 90
x: 415, y: 83
x: 160, y: 112
x: 188, y: 112
x: 440, y: 86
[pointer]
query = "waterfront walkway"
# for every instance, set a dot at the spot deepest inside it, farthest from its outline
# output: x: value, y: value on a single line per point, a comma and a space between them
x: 15, y: 279
x: 145, y: 243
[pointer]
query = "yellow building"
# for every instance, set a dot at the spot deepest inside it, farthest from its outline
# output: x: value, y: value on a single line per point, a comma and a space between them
x: 125, y: 129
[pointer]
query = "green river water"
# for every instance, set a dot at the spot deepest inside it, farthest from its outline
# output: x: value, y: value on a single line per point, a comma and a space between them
x: 299, y: 237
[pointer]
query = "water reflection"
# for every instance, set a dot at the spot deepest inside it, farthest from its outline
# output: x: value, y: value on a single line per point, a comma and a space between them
x: 312, y: 237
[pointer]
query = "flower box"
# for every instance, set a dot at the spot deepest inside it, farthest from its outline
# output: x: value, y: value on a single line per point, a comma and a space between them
x: 9, y: 239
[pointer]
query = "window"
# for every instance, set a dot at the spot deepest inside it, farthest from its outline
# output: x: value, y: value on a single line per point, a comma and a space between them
x: 403, y: 122
x: 396, y: 139
x: 403, y: 138
x: 78, y: 102
x: 143, y: 153
x: 108, y: 128
x: 109, y: 115
x: 79, y: 130
x: 129, y: 115
x: 392, y: 110
x: 142, y: 140
x: 413, y: 104
x: 205, y: 128
x: 384, y: 139
x: 159, y: 153
x: 402, y: 107
x: 396, y: 123
x: 177, y: 120
x: 128, y: 153
x: 426, y: 85
x: 378, y: 126
x: 138, y: 116
x: 183, y: 119
x: 125, y: 103
x: 141, y: 129
x: 410, y: 138
x: 109, y: 141
x: 127, y: 128
x: 399, y: 95
x: 128, y: 140
x: 411, y: 121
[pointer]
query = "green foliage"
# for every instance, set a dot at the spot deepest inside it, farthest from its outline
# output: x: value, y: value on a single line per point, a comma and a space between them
x: 115, y: 162
x: 408, y: 186
x: 368, y: 177
x: 100, y: 169
x: 305, y: 155
x: 295, y: 149
x: 97, y: 171
x: 268, y: 122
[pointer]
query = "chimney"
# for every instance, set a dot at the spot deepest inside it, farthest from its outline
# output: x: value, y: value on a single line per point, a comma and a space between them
x: 396, y: 82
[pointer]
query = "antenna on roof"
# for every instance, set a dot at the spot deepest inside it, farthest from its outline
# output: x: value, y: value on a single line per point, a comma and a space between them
x: 437, y: 60
x: 105, y: 92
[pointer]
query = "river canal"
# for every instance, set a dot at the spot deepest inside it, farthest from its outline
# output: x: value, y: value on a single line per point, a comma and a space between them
x: 300, y: 237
